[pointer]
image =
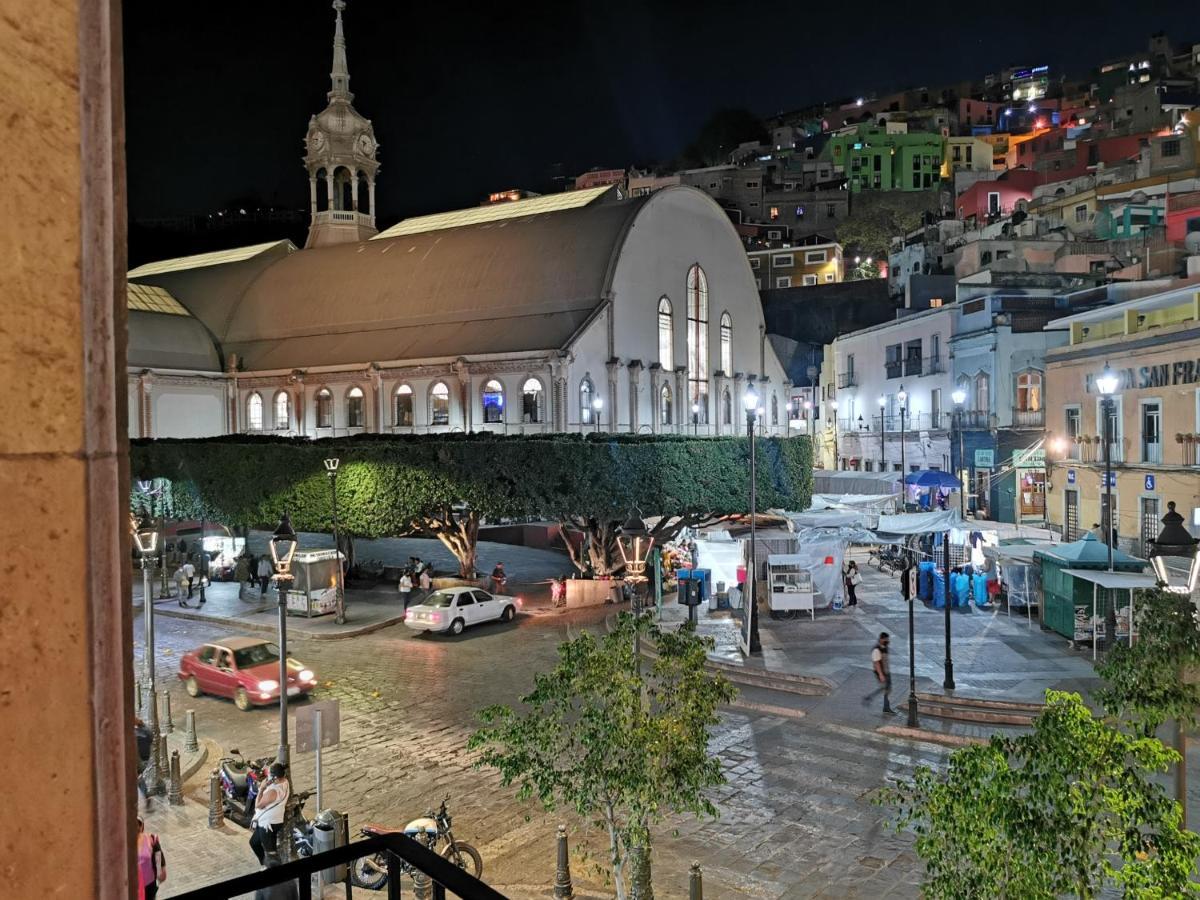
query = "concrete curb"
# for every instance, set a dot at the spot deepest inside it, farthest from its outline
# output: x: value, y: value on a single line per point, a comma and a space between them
x: 209, y: 749
x: 930, y: 737
x: 767, y: 709
x: 263, y: 628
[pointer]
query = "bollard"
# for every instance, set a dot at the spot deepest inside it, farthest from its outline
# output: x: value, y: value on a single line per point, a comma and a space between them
x: 152, y: 774
x: 422, y: 886
x: 216, y: 803
x: 175, y: 785
x: 190, y: 744
x: 164, y: 763
x: 563, y: 889
x: 695, y: 883
x: 164, y: 716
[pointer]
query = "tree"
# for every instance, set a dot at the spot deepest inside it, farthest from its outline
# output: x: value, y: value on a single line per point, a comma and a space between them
x: 725, y: 130
x: 1070, y: 809
x: 621, y: 747
x: 878, y: 216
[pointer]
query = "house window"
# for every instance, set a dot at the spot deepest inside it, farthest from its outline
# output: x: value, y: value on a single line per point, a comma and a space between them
x: 1073, y: 426
x: 774, y: 409
x: 1171, y: 147
x: 439, y: 404
x: 697, y: 333
x: 783, y: 260
x: 533, y: 409
x: 957, y: 152
x: 404, y: 406
x: 254, y: 412
x: 983, y: 393
x: 815, y: 256
x: 830, y: 211
x: 935, y: 408
x: 726, y: 344
x: 493, y: 402
x: 755, y: 263
x: 934, y: 302
x: 829, y: 276
x: 774, y: 234
x: 1151, y: 431
x: 783, y: 281
x: 586, y: 394
x: 892, y: 361
x: 912, y: 357
x: 751, y: 184
x: 993, y: 206
x: 1114, y: 428
x: 354, y: 407
x: 324, y: 408
x: 1029, y: 391
x: 969, y: 154
x: 282, y: 412
x: 1081, y: 213
x: 726, y: 408
x: 664, y: 405
x: 810, y: 280
x: 774, y: 213
x: 666, y: 336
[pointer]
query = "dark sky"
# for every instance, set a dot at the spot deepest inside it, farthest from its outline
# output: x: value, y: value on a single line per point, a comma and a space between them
x: 467, y: 99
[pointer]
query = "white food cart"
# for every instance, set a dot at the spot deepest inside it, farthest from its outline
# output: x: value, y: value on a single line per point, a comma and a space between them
x: 791, y: 586
x: 313, y: 591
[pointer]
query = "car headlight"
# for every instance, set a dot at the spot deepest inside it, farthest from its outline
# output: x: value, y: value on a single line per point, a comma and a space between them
x: 307, y: 675
x: 268, y: 685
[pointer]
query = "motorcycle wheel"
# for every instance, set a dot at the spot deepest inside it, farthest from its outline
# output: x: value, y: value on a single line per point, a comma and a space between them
x: 465, y: 857
x: 369, y: 872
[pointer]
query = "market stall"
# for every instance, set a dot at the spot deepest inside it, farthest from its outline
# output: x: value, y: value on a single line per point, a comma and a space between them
x: 1071, y: 604
x: 313, y: 591
x: 1018, y: 573
x: 790, y: 586
x: 1123, y: 584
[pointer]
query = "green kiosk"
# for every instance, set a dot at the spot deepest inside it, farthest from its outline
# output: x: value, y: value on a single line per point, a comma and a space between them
x: 1072, y: 605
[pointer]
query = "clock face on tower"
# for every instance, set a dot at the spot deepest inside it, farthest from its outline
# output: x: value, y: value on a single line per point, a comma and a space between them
x: 316, y: 141
x: 366, y: 144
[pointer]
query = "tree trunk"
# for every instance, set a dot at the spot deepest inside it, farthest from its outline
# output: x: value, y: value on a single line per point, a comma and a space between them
x: 1181, y: 771
x: 640, y: 887
x: 460, y: 535
x: 599, y: 551
x: 614, y: 846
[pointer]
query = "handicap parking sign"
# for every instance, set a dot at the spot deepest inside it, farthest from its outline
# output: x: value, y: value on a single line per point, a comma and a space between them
x: 1149, y: 482
x: 1070, y: 476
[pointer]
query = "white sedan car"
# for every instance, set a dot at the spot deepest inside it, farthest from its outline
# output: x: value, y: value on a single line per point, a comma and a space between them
x: 453, y: 609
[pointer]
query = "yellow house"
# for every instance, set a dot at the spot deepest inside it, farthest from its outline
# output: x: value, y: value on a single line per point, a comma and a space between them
x: 972, y: 154
x: 800, y: 266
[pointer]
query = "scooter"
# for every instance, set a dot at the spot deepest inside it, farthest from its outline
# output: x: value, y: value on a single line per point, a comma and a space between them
x: 240, y: 782
x: 431, y: 830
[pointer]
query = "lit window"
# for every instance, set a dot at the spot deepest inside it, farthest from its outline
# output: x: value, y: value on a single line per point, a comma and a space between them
x: 282, y: 413
x: 664, y: 405
x: 666, y: 336
x: 726, y: 344
x: 493, y: 402
x: 935, y: 302
x: 324, y: 408
x: 439, y: 404
x: 404, y: 406
x: 532, y: 399
x: 774, y: 213
x: 354, y: 408
x: 697, y: 340
x: 829, y: 276
x: 727, y: 408
x: 586, y: 393
x: 1029, y: 391
x: 254, y: 412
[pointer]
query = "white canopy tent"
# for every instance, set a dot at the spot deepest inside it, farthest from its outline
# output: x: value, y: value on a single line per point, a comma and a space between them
x: 1102, y: 578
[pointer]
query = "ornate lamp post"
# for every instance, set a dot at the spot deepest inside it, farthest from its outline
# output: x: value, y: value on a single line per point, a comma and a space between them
x: 837, y: 464
x: 1175, y: 542
x: 960, y: 397
x: 1107, y: 385
x: 331, y: 469
x: 882, y: 433
x: 597, y: 406
x: 635, y: 543
x: 283, y: 548
x: 695, y: 419
x: 753, y: 645
x: 808, y: 421
x: 145, y: 536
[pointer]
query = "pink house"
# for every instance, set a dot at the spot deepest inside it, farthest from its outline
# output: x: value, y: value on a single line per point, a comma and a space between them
x: 999, y: 197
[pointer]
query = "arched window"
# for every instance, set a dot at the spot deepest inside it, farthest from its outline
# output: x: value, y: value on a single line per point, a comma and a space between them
x: 493, y: 402
x: 726, y: 344
x: 324, y: 408
x: 439, y: 404
x: 254, y: 412
x: 533, y: 398
x: 774, y: 409
x: 1029, y: 391
x: 354, y: 408
x: 586, y: 394
x: 983, y: 386
x: 664, y: 405
x: 282, y: 417
x: 697, y: 340
x: 404, y: 406
x: 666, y: 336
x: 726, y: 408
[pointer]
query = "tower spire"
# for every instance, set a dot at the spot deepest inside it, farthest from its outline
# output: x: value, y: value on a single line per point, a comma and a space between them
x: 340, y: 76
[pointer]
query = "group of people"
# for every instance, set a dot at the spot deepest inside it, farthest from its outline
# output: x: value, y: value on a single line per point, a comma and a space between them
x: 418, y: 574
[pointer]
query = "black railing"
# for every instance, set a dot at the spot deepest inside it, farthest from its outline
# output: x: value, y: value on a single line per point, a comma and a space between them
x: 398, y: 849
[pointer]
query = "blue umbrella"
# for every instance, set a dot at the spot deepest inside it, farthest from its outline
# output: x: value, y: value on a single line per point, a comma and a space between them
x: 931, y: 478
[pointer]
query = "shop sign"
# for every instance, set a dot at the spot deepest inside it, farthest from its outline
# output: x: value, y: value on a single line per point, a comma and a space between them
x: 1029, y: 459
x: 985, y: 459
x: 1185, y: 371
x: 1070, y: 476
x: 1149, y: 482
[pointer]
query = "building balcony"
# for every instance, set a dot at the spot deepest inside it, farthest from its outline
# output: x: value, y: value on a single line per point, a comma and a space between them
x: 846, y: 380
x: 894, y: 369
x: 913, y: 365
x: 973, y: 418
x: 343, y: 217
x: 1029, y: 418
x: 933, y: 365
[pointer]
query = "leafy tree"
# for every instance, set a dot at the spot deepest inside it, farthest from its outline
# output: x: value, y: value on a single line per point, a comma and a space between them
x: 878, y: 216
x: 724, y: 131
x: 1071, y: 809
x: 622, y: 747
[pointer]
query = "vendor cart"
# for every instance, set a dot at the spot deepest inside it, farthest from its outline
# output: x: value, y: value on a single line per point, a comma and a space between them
x: 313, y: 591
x: 790, y: 586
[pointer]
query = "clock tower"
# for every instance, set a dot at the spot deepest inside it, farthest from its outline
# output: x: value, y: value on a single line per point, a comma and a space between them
x: 341, y: 160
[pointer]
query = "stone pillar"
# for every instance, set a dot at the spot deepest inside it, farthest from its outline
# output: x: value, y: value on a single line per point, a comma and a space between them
x: 464, y: 393
x: 371, y: 195
x: 354, y: 191
x: 377, y: 412
x: 681, y: 409
x: 614, y: 399
x: 312, y: 194
x: 299, y: 395
x: 145, y: 404
x: 720, y: 384
x: 64, y: 472
x: 655, y: 405
x: 329, y: 188
x: 635, y: 382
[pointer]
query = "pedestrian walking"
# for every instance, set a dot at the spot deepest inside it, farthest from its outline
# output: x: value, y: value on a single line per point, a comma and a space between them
x: 499, y: 579
x: 189, y: 572
x: 264, y: 574
x: 405, y: 587
x: 883, y: 674
x: 180, y: 583
x: 852, y: 578
x: 151, y: 863
x: 269, y: 811
x: 425, y: 581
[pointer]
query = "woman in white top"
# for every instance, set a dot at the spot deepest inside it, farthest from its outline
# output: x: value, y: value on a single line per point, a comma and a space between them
x: 405, y: 587
x: 269, y: 811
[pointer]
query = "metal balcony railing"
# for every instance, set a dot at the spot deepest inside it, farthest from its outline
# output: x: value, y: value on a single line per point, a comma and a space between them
x: 894, y: 369
x: 846, y: 380
x: 1029, y: 418
x: 974, y: 418
x: 912, y: 365
x: 402, y: 853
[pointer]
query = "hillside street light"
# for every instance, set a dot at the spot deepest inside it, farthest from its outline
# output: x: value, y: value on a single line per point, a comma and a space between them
x: 331, y: 469
x: 752, y: 644
x: 283, y: 548
x: 145, y: 536
x: 1175, y: 542
x: 1107, y: 384
x: 597, y: 405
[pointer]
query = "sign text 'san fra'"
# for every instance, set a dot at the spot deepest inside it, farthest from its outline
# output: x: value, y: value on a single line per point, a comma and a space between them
x: 1185, y: 371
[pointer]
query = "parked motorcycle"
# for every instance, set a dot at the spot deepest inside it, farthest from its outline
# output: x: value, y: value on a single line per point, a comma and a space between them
x: 433, y: 831
x: 240, y: 782
x: 302, y: 827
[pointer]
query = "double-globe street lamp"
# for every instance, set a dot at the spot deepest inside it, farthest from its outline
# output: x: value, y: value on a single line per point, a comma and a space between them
x: 145, y: 535
x: 331, y: 469
x: 283, y: 548
x: 753, y: 644
x: 1107, y: 384
x: 913, y: 720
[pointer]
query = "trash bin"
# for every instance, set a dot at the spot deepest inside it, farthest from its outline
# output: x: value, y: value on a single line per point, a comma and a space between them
x: 329, y: 833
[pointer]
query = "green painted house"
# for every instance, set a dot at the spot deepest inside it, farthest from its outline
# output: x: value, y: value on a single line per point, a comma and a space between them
x: 874, y: 160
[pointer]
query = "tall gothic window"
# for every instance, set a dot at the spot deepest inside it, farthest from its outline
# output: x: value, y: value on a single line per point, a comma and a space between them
x: 727, y: 408
x: 354, y: 408
x: 254, y: 412
x: 983, y: 385
x: 324, y: 408
x: 439, y: 404
x: 493, y: 402
x: 697, y: 340
x: 404, y: 406
x: 533, y: 398
x: 666, y: 336
x: 586, y: 393
x: 664, y: 405
x: 282, y: 419
x: 726, y: 344
x: 774, y: 409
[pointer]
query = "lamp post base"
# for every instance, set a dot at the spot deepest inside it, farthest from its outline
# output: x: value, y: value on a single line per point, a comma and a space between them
x: 913, y: 720
x: 948, y: 681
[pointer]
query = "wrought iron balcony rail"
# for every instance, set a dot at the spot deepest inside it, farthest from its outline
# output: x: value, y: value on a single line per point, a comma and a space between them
x: 398, y: 849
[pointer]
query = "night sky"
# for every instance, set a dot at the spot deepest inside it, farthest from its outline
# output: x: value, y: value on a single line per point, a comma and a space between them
x: 467, y: 99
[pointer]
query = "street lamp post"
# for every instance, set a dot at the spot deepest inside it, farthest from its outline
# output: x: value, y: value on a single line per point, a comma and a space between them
x: 635, y: 543
x: 1107, y: 385
x: 833, y: 404
x: 145, y: 535
x: 695, y: 419
x: 902, y: 396
x: 787, y: 411
x: 331, y: 469
x: 597, y: 405
x: 283, y: 548
x: 808, y: 421
x: 882, y: 433
x: 960, y: 397
x: 913, y: 719
x: 750, y: 401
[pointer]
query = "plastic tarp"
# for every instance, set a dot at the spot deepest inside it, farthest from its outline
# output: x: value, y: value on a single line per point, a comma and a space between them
x: 829, y: 481
x: 840, y: 501
x: 822, y: 553
x: 922, y: 523
x: 831, y: 518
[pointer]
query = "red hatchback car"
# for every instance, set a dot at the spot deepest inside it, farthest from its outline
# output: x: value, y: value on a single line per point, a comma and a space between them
x: 246, y: 670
